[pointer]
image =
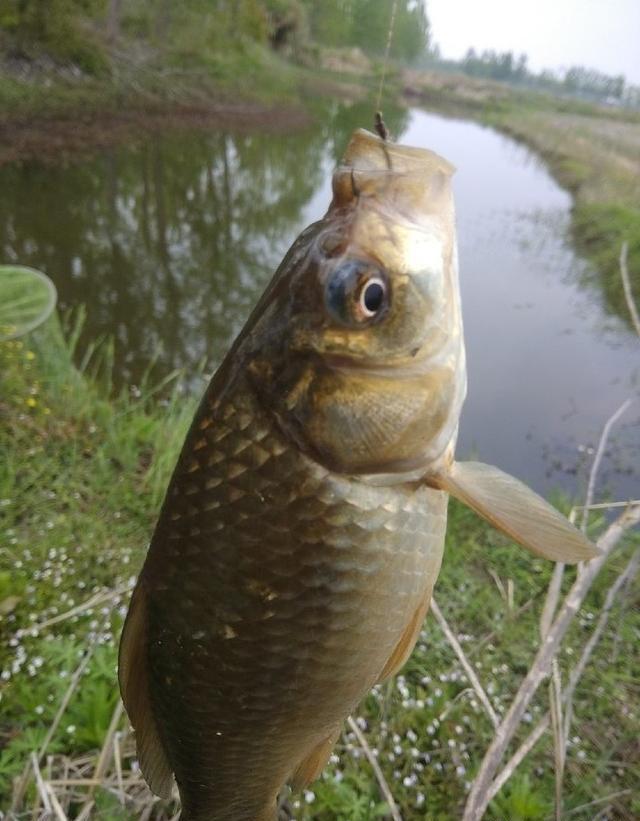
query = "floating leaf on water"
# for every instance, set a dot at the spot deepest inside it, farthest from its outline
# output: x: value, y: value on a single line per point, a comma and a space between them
x: 27, y: 298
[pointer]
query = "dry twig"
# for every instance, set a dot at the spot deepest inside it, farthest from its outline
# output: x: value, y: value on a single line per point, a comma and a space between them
x: 42, y: 790
x: 98, y: 598
x: 519, y: 756
x: 559, y: 746
x: 597, y: 459
x: 471, y: 675
x: 576, y: 674
x: 560, y: 724
x: 479, y: 795
x: 105, y: 754
x: 117, y: 760
x: 595, y: 801
x: 73, y: 684
x: 382, y: 781
x: 57, y: 807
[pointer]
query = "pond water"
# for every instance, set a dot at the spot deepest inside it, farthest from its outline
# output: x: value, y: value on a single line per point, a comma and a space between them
x: 168, y: 244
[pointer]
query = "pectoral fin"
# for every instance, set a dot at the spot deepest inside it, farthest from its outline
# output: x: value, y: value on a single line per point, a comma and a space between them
x: 512, y: 507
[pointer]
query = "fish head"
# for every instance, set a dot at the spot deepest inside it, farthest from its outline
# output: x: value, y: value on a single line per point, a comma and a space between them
x: 357, y: 344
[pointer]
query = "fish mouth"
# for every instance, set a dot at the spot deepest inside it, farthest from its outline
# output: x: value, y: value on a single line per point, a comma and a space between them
x: 405, y: 366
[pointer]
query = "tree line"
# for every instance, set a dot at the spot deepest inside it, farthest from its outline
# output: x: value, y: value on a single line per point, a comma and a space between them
x: 506, y: 66
x: 69, y: 29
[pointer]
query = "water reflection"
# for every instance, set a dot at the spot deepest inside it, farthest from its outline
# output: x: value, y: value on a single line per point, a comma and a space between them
x: 170, y: 243
x: 166, y: 244
x: 547, y: 365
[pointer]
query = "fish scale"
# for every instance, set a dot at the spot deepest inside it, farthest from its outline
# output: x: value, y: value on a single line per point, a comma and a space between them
x: 364, y: 557
x: 303, y: 529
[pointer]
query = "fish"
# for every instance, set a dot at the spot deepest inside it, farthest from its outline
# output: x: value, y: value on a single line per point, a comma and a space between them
x: 302, y: 533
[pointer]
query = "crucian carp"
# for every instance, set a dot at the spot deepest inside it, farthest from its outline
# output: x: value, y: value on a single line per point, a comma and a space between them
x: 302, y: 532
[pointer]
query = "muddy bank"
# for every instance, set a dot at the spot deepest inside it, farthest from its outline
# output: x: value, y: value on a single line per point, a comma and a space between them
x: 58, y: 137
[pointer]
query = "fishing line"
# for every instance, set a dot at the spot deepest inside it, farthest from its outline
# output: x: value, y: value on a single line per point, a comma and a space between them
x: 385, y: 63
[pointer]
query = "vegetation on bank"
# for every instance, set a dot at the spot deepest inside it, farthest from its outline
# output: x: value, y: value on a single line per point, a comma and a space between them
x: 95, y: 59
x: 67, y: 55
x: 597, y: 159
x: 82, y: 473
x: 577, y: 82
x: 81, y: 479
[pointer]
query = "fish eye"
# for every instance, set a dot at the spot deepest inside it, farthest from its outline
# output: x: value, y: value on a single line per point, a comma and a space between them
x: 356, y: 292
x: 372, y: 296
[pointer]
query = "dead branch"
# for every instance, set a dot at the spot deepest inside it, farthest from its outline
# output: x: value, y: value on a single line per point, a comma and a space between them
x: 597, y: 459
x: 382, y: 781
x: 98, y: 598
x: 561, y: 724
x: 57, y: 807
x: 105, y: 754
x: 519, y: 756
x: 543, y: 725
x: 595, y: 801
x: 576, y: 674
x: 37, y: 757
x: 559, y: 747
x: 623, y: 579
x: 471, y: 675
x: 42, y: 790
x: 479, y: 795
x: 551, y: 601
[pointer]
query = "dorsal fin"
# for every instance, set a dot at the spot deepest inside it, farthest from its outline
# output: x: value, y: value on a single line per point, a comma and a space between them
x: 133, y: 675
x: 512, y: 507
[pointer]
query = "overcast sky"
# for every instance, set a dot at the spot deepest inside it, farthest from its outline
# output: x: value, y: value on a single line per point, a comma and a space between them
x: 602, y: 34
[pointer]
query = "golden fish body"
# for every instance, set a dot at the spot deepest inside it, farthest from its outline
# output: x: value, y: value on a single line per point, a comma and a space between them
x: 275, y: 596
x: 303, y: 529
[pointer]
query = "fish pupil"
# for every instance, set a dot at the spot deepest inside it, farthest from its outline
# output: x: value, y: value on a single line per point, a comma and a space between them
x: 373, y: 296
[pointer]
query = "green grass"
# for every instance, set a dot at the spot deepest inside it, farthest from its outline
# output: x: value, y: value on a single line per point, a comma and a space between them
x: 82, y: 474
x: 599, y: 229
x: 249, y: 71
x: 80, y: 480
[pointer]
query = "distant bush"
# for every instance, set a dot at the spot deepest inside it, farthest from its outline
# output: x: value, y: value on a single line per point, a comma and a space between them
x: 54, y: 27
x: 80, y: 31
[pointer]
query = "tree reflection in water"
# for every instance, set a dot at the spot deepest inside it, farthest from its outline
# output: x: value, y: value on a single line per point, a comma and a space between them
x: 169, y: 243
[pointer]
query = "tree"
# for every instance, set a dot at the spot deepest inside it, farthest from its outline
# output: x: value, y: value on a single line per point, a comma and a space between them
x: 366, y: 23
x: 113, y: 19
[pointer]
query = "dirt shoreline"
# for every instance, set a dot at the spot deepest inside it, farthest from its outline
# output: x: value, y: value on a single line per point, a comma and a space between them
x: 55, y: 138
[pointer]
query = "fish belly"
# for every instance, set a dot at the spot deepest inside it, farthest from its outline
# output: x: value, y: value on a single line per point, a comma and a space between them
x: 276, y: 592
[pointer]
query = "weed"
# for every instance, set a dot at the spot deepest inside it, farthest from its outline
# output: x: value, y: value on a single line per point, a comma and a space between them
x: 81, y: 479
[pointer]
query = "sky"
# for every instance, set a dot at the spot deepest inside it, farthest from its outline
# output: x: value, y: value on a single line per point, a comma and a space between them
x: 601, y: 34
